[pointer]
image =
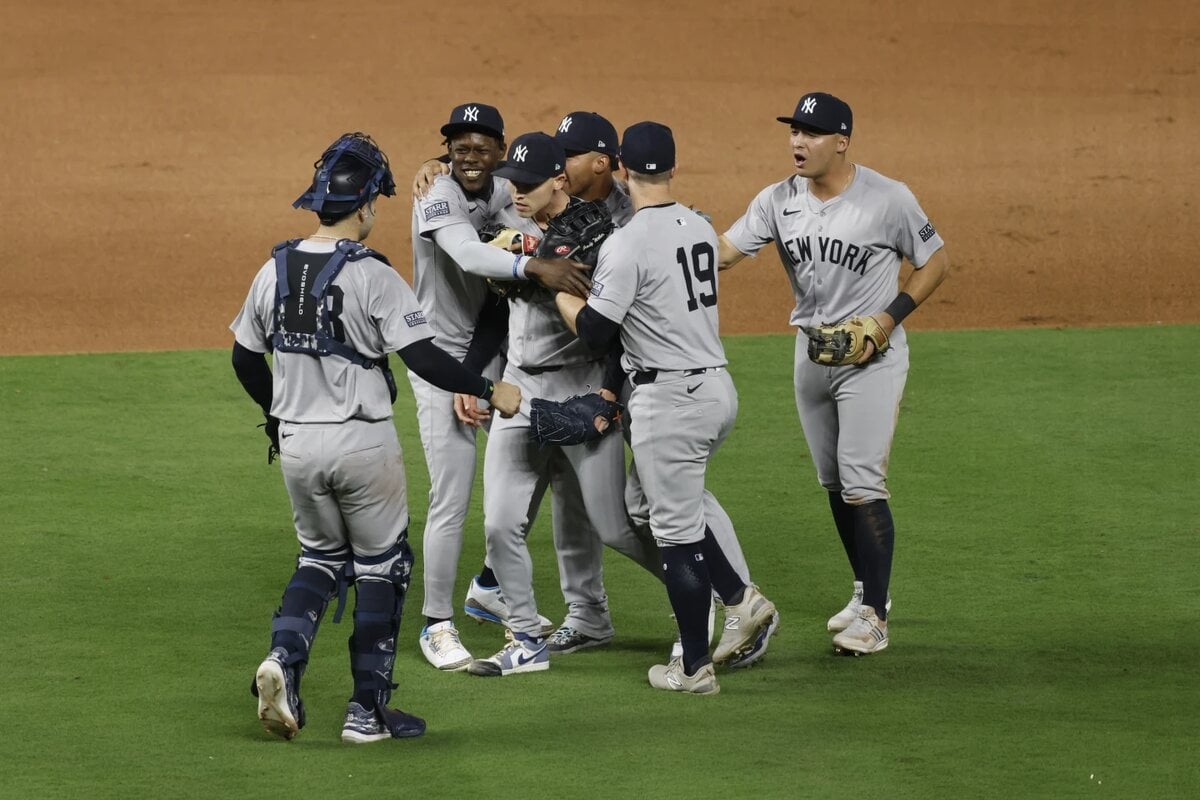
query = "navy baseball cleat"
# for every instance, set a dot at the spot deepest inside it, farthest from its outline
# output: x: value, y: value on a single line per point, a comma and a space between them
x: 365, y: 725
x: 279, y: 705
x: 568, y: 639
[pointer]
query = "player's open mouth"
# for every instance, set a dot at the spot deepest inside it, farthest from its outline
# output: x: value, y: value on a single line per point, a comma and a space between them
x: 472, y: 174
x: 799, y: 159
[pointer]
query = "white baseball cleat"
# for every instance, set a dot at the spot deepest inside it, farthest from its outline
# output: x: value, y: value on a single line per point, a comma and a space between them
x: 442, y: 647
x: 672, y: 678
x: 518, y: 655
x: 841, y: 620
x: 756, y: 651
x: 487, y: 604
x: 744, y: 623
x: 867, y: 634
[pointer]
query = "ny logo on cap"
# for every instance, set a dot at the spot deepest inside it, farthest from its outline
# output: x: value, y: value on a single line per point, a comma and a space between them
x: 471, y: 114
x: 519, y: 153
x: 565, y: 125
x: 810, y: 105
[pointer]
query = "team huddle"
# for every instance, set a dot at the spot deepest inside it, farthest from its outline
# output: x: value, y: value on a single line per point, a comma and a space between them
x: 566, y: 303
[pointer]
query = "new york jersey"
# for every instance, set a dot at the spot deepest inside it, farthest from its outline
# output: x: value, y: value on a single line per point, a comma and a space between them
x: 657, y: 279
x: 375, y: 311
x: 842, y: 256
x: 450, y: 296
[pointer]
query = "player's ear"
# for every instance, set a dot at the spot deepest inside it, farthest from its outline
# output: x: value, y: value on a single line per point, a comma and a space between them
x: 601, y: 164
x: 560, y: 181
x: 843, y: 144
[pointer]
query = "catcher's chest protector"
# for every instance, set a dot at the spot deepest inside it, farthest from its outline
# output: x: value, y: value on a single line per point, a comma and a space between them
x: 308, y: 305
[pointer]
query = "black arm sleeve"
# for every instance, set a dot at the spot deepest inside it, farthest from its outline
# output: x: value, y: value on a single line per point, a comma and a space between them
x: 596, y: 330
x: 614, y: 374
x: 490, y: 329
x: 440, y: 368
x: 255, y: 375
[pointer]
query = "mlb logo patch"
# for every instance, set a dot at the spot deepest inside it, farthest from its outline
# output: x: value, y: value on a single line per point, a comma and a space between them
x: 415, y: 318
x: 435, y: 210
x: 597, y: 288
x: 927, y: 232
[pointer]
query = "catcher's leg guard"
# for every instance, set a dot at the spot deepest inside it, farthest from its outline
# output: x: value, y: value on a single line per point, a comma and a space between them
x: 380, y: 585
x: 875, y: 536
x: 295, y: 624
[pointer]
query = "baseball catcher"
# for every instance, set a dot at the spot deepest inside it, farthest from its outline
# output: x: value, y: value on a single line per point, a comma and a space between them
x: 578, y: 419
x: 846, y: 342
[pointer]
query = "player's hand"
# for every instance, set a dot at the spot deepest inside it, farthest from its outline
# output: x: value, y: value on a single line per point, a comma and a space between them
x: 560, y: 275
x: 469, y: 412
x: 506, y: 398
x: 888, y: 324
x: 607, y: 395
x: 426, y: 175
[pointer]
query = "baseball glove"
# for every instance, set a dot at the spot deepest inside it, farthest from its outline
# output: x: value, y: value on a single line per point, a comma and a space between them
x: 510, y: 239
x: 844, y: 343
x: 577, y: 233
x: 572, y: 421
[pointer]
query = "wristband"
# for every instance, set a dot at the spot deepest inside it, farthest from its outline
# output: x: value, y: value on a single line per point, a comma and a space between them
x: 901, y: 307
x: 488, y: 389
x: 519, y: 263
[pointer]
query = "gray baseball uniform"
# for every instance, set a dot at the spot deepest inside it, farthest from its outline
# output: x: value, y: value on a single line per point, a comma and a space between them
x: 657, y: 279
x: 451, y: 298
x: 843, y: 259
x: 340, y: 455
x: 546, y: 360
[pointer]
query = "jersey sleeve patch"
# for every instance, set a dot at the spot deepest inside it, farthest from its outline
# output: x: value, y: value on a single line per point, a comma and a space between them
x: 597, y: 288
x: 415, y: 318
x: 927, y: 232
x: 435, y: 210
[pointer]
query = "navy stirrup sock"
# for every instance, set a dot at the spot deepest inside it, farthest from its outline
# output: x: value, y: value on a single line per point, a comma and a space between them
x: 724, y: 577
x: 689, y: 588
x: 875, y: 536
x: 843, y: 518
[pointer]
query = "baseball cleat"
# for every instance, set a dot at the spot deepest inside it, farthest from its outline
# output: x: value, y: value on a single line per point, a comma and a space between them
x: 487, y: 604
x: 279, y: 705
x: 841, y: 620
x: 364, y: 725
x: 756, y: 651
x: 442, y: 647
x: 568, y: 639
x: 672, y: 678
x: 743, y: 624
x: 867, y: 634
x: 519, y: 655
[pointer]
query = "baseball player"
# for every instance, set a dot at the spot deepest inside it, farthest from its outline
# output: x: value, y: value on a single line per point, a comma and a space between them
x: 331, y: 310
x: 655, y: 287
x: 547, y: 361
x: 841, y: 230
x: 590, y: 142
x: 450, y: 271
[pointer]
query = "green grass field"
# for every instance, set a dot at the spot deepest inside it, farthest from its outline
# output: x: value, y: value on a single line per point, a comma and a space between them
x: 1044, y: 637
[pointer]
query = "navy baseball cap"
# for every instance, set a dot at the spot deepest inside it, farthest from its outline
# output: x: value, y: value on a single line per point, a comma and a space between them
x: 823, y: 113
x: 475, y: 118
x: 533, y: 158
x: 586, y: 132
x: 648, y: 148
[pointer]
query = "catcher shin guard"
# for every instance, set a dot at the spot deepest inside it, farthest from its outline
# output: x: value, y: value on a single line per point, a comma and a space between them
x: 875, y: 535
x: 315, y: 581
x: 381, y: 584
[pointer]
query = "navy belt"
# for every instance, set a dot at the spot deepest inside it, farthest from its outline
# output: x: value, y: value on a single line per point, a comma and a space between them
x: 651, y: 375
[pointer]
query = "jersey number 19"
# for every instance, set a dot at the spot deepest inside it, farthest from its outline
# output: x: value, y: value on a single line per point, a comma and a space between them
x: 702, y: 265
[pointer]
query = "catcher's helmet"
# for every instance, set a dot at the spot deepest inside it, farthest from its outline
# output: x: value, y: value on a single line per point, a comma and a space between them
x: 350, y: 173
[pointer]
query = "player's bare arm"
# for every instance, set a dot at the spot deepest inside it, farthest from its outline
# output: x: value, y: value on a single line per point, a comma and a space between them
x: 727, y: 254
x: 569, y: 306
x: 920, y: 285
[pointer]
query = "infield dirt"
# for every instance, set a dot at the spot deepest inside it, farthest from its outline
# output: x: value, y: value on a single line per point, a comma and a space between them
x: 152, y: 150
